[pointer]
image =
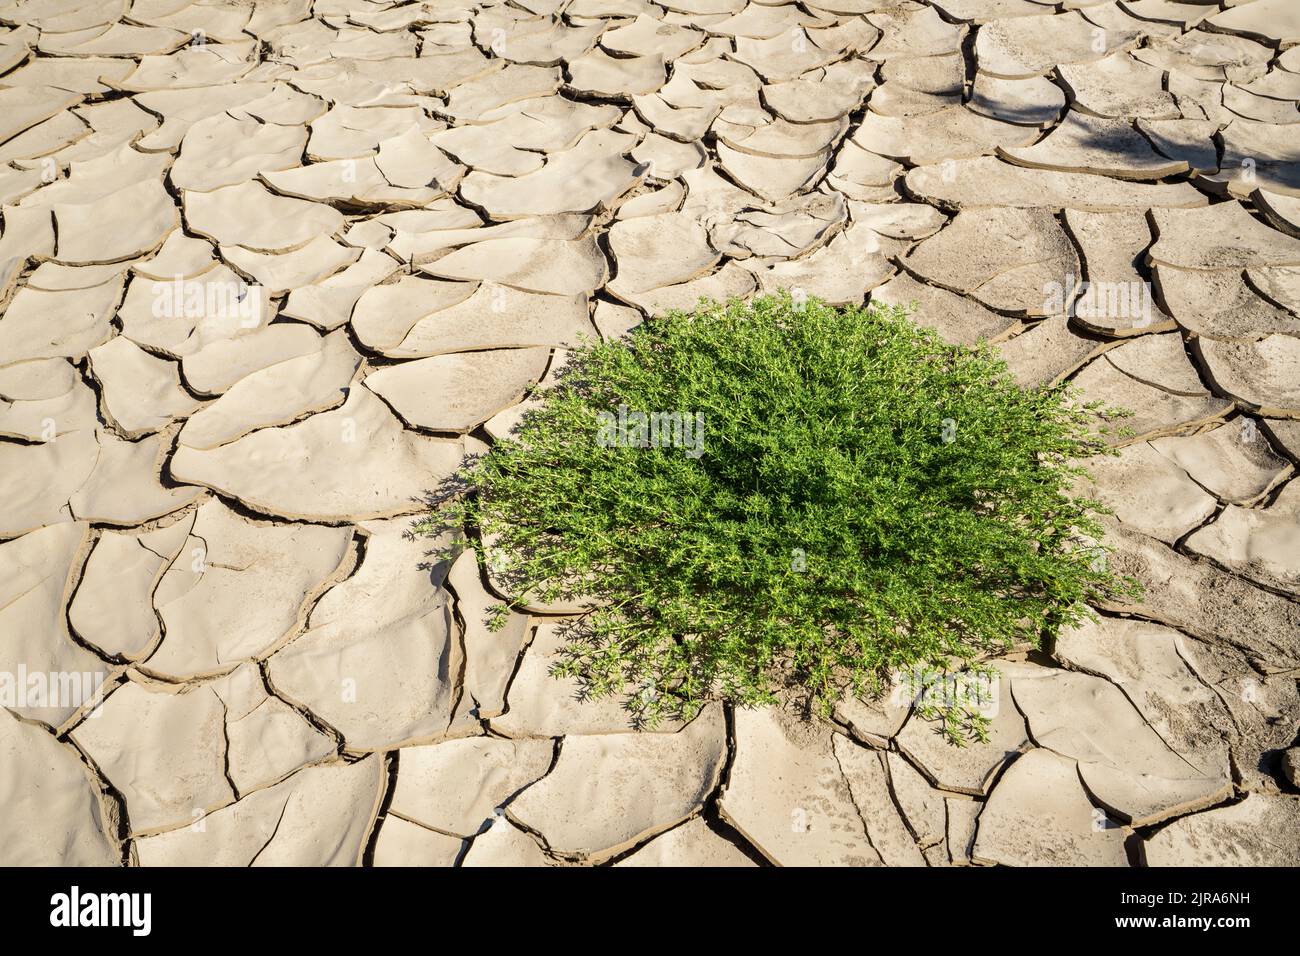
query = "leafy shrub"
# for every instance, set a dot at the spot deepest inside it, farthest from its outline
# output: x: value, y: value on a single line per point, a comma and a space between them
x: 865, y: 499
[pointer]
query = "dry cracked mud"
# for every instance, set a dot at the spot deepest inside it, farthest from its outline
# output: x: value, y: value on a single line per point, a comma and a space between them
x: 270, y: 268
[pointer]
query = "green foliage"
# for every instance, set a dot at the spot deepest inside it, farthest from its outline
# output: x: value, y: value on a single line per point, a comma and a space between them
x: 868, y: 500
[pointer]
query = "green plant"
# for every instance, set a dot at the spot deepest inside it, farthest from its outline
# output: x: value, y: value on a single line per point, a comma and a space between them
x: 866, y: 499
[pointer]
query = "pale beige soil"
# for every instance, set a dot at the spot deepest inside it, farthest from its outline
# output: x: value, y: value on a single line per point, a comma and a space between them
x: 205, y: 489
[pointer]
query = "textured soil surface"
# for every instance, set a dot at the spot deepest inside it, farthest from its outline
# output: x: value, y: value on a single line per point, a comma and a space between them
x: 270, y: 268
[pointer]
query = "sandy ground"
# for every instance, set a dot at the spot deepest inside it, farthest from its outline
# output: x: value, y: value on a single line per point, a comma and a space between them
x: 270, y: 269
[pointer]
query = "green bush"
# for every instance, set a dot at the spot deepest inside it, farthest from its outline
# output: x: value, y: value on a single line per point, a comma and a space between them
x: 865, y: 499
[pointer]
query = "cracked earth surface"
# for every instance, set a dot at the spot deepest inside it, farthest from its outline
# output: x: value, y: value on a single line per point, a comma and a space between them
x: 419, y: 207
